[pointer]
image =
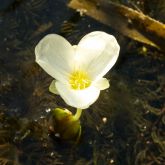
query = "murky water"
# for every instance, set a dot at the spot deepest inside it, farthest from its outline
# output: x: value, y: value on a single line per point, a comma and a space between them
x: 124, y: 127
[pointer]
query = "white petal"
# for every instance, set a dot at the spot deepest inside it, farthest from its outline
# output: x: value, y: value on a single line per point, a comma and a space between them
x: 54, y: 54
x: 97, y: 52
x: 102, y: 84
x: 78, y: 98
x: 52, y: 87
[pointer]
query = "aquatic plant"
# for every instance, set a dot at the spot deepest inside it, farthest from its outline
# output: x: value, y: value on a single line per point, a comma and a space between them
x: 78, y: 70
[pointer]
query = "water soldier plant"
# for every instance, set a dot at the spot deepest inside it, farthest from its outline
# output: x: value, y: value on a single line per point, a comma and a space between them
x: 78, y: 70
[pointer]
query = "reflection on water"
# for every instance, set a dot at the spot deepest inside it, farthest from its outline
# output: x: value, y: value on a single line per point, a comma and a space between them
x: 124, y: 127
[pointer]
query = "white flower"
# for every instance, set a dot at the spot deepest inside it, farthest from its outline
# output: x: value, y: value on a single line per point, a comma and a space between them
x: 78, y: 70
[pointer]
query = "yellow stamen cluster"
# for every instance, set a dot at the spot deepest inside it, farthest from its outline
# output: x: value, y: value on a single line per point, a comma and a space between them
x: 79, y: 80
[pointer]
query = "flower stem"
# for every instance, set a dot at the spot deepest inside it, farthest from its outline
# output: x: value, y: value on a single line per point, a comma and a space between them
x: 78, y: 114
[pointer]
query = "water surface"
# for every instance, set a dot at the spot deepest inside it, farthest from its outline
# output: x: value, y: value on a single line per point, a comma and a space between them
x: 133, y: 106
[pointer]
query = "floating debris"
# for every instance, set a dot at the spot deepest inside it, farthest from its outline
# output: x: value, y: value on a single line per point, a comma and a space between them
x: 126, y: 20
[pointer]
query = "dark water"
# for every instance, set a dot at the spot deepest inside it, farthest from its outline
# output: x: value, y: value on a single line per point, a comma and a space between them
x: 133, y: 105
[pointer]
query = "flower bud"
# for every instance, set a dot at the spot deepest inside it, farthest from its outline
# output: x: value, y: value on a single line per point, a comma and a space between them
x: 64, y: 125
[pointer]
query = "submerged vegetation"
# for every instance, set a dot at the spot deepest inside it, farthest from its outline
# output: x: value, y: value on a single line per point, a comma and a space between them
x: 126, y: 125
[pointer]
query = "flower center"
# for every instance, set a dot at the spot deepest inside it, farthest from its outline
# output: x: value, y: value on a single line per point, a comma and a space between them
x: 79, y: 80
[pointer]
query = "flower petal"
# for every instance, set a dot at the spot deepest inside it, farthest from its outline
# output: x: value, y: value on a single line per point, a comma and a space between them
x: 102, y: 84
x: 52, y: 88
x: 78, y: 98
x: 97, y: 52
x: 54, y: 54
